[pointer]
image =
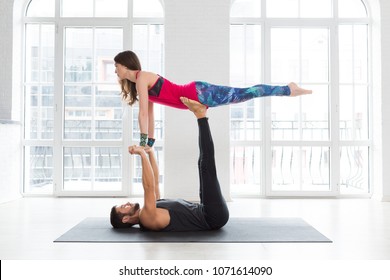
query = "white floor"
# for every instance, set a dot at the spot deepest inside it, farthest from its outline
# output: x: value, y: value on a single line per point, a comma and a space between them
x: 359, y: 229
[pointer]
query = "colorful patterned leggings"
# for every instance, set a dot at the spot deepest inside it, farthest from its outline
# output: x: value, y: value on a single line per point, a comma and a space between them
x: 213, y: 95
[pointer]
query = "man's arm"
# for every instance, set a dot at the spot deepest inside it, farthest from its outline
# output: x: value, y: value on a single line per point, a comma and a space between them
x: 153, y: 163
x: 150, y: 216
x: 147, y: 178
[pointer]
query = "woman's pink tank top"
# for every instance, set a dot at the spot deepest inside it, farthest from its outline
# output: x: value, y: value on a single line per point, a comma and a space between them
x: 167, y: 93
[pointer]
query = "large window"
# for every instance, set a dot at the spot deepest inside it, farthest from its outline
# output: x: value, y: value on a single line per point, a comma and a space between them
x: 77, y: 130
x: 316, y: 145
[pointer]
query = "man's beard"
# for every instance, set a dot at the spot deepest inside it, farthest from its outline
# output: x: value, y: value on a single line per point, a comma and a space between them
x: 136, y: 208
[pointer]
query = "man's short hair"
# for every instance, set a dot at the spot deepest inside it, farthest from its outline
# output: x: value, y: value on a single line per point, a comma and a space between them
x: 116, y: 219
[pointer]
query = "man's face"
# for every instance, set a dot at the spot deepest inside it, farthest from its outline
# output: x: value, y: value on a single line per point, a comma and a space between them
x: 128, y: 209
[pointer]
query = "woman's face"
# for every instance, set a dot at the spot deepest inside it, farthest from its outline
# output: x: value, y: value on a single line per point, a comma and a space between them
x: 120, y: 70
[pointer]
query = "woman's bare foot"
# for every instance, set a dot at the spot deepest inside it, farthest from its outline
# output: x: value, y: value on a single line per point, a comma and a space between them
x: 295, y: 90
x: 197, y: 108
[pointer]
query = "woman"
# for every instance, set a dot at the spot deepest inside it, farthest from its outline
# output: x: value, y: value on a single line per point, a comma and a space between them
x: 149, y: 88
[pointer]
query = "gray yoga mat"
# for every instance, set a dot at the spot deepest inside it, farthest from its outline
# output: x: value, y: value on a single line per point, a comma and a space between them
x: 237, y: 230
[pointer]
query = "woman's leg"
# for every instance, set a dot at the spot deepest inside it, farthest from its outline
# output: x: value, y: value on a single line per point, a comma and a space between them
x: 214, y: 95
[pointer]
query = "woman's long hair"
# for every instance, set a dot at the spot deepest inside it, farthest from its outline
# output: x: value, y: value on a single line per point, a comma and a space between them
x: 130, y: 60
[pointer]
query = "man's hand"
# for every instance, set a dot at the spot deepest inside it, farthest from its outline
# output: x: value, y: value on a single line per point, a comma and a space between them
x: 138, y: 150
x: 148, y: 149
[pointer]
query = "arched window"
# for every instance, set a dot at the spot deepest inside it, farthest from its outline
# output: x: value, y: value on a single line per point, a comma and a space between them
x: 316, y: 145
x: 77, y: 130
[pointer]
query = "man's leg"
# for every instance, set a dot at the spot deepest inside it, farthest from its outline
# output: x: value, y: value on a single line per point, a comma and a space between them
x: 215, y: 208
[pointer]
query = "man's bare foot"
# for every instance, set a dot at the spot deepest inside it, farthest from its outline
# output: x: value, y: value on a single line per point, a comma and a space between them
x: 197, y: 108
x: 295, y: 90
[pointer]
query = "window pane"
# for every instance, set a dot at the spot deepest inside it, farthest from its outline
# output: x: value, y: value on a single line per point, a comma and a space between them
x: 78, y: 54
x: 315, y: 55
x: 105, y: 8
x: 32, y: 52
x: 352, y: 9
x: 108, y: 113
x: 245, y: 170
x: 246, y: 8
x: 316, y: 9
x: 285, y: 119
x: 283, y: 8
x: 299, y: 8
x: 360, y: 53
x: 252, y: 54
x: 346, y: 53
x: 108, y: 42
x: 304, y: 58
x: 108, y: 169
x: 40, y: 8
x: 77, y: 169
x: 38, y: 169
x: 354, y: 168
x: 148, y: 44
x: 156, y: 48
x: 39, y: 88
x: 39, y: 112
x: 147, y: 8
x: 285, y: 58
x: 40, y: 53
x: 92, y: 112
x: 47, y: 53
x: 77, y: 8
x: 353, y: 40
x: 361, y: 109
x: 140, y: 42
x: 315, y: 114
x: 354, y: 112
x: 285, y: 169
x: 245, y: 121
x: 78, y: 112
x: 315, y: 168
x: 92, y: 169
x: 237, y: 55
x: 300, y: 169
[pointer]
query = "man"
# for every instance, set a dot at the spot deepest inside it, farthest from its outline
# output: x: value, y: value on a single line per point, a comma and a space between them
x: 177, y: 215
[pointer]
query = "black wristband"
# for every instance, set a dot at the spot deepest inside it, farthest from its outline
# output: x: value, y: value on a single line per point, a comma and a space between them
x: 151, y: 142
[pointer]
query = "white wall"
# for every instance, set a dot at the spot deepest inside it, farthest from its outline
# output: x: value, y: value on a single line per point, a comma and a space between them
x: 10, y: 152
x: 197, y: 33
x: 5, y: 59
x: 197, y: 48
x: 10, y: 167
x: 384, y: 193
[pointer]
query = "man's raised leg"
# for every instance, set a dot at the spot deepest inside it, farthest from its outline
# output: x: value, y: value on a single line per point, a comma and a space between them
x: 215, y: 208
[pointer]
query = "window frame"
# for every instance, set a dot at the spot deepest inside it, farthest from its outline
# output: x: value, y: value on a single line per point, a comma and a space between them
x: 58, y: 143
x: 334, y: 142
